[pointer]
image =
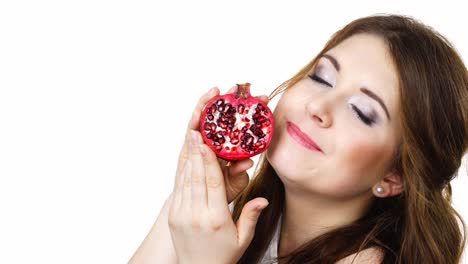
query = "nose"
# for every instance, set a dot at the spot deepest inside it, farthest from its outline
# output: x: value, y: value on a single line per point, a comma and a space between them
x: 318, y: 111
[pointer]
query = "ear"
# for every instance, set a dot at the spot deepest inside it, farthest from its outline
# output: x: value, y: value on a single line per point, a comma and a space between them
x: 392, y: 185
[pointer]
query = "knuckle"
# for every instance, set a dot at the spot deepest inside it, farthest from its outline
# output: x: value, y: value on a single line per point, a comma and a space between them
x: 196, y: 155
x: 195, y: 223
x: 213, y: 182
x: 252, y: 217
x: 216, y: 227
x: 173, y: 223
x: 198, y: 180
x: 183, y: 157
x: 216, y: 224
x: 187, y: 182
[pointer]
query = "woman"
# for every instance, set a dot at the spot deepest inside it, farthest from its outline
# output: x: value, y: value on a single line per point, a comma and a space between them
x: 385, y: 103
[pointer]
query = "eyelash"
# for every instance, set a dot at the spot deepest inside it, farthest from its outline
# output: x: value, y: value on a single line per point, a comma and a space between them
x: 368, y: 121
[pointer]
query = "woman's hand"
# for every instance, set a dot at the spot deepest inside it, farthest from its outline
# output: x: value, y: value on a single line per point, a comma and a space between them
x: 157, y: 247
x: 235, y: 175
x: 200, y: 222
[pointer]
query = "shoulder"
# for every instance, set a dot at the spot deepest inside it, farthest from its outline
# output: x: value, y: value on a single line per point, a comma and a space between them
x: 373, y: 255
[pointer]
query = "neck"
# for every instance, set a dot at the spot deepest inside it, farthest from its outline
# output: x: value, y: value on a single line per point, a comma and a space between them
x: 308, y: 216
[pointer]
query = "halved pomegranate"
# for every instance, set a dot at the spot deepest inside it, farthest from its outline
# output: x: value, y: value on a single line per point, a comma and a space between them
x: 237, y: 126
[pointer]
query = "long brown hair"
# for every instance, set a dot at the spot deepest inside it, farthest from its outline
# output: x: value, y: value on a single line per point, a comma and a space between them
x: 419, y: 225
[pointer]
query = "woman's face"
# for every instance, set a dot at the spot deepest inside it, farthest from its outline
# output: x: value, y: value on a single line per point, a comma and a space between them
x: 347, y: 105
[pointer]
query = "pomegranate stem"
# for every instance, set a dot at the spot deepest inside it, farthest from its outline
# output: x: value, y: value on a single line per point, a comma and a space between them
x: 243, y: 90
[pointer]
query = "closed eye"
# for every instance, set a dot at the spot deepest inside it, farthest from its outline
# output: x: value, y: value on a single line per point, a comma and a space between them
x: 319, y: 80
x: 368, y: 121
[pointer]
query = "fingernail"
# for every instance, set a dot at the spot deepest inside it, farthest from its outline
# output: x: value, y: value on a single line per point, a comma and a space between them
x: 261, y: 207
x: 193, y: 138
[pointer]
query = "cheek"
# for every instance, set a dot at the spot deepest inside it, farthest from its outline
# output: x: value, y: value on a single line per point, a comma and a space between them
x: 279, y: 155
x: 279, y: 112
x: 361, y: 155
x: 360, y: 162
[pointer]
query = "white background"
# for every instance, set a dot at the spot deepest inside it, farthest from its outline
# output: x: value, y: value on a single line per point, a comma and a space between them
x: 95, y: 97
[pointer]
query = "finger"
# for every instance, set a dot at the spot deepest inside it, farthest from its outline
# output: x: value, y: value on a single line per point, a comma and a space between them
x: 195, y: 120
x: 186, y: 193
x: 264, y: 98
x: 183, y: 155
x: 199, y: 196
x: 236, y: 166
x: 237, y: 178
x: 240, y: 166
x: 216, y: 190
x: 248, y: 220
x: 178, y: 192
x: 222, y: 162
x: 232, y: 89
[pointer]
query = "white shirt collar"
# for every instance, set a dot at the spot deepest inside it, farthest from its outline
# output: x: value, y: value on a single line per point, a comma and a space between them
x: 272, y: 252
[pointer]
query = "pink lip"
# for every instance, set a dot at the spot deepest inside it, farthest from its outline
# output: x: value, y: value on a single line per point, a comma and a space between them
x: 300, y: 137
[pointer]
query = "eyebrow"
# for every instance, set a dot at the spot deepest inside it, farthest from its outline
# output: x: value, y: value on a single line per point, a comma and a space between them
x: 376, y: 98
x: 333, y: 61
x: 363, y: 89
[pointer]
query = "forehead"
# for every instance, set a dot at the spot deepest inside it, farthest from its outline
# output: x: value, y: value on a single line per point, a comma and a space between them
x: 366, y: 61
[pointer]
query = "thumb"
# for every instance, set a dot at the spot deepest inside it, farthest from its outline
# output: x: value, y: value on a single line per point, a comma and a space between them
x: 248, y: 220
x: 237, y: 178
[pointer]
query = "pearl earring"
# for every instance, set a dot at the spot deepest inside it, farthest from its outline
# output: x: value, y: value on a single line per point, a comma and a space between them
x: 379, y: 189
